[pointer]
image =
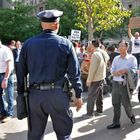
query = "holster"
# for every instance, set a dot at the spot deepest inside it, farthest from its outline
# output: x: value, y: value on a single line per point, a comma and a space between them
x: 68, y: 88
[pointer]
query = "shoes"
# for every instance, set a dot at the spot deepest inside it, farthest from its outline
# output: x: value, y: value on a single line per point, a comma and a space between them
x: 1, y: 117
x: 6, y: 119
x: 98, y: 113
x: 113, y: 126
x: 87, y: 116
x: 133, y: 120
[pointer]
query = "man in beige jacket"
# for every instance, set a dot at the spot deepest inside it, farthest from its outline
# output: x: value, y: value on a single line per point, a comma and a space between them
x: 96, y: 76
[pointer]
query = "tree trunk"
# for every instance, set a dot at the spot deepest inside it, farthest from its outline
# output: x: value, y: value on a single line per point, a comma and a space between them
x: 90, y: 30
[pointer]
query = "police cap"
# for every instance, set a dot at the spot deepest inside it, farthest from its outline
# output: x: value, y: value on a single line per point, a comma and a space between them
x: 49, y: 15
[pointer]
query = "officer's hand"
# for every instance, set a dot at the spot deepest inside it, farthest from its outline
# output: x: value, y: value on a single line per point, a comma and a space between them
x: 78, y: 103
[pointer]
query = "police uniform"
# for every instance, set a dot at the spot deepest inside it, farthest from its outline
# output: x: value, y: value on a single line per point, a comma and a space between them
x: 48, y: 59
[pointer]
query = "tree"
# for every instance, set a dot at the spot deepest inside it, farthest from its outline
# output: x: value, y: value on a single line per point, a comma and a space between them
x: 68, y: 19
x: 99, y: 15
x: 17, y: 23
x: 136, y: 11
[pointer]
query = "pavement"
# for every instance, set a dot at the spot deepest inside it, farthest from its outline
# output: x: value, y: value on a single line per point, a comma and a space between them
x: 83, y: 129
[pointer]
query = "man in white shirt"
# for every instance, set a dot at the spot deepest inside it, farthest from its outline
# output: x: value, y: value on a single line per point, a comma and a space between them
x: 120, y: 66
x: 6, y: 82
x: 135, y: 40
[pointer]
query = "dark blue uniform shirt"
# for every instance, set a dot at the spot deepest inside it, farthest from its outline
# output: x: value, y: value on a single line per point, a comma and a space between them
x: 48, y: 58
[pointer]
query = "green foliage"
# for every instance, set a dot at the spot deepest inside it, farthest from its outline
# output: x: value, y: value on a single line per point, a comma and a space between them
x: 17, y: 24
x: 100, y: 14
x: 68, y: 19
x: 89, y: 16
x: 136, y: 11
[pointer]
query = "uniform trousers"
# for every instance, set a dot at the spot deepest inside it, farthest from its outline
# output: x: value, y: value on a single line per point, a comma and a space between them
x: 53, y: 102
x: 95, y: 95
x: 120, y: 96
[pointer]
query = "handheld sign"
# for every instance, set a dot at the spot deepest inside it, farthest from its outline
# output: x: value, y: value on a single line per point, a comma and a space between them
x: 134, y: 22
x: 75, y: 34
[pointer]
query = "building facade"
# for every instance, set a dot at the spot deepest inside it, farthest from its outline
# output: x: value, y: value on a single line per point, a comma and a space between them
x: 129, y: 4
x: 4, y: 4
x: 39, y: 4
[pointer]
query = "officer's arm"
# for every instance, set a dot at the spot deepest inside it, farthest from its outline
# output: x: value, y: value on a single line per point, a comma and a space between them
x: 74, y: 73
x: 75, y: 77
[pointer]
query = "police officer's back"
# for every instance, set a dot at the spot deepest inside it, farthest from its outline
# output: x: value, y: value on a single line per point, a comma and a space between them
x: 49, y: 59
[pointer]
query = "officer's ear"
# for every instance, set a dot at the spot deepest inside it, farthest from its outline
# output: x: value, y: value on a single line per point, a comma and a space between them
x: 55, y: 25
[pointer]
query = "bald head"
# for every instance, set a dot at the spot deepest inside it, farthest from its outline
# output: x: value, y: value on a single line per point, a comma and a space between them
x: 137, y: 35
x: 50, y: 25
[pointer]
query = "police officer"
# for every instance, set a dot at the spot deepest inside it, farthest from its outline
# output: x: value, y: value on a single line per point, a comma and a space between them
x: 48, y: 59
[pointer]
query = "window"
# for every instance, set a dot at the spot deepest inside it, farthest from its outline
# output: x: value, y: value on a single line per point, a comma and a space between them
x: 41, y: 8
x: 130, y: 6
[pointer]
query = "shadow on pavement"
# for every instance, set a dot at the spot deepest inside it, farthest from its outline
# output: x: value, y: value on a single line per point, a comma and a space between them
x: 95, y: 128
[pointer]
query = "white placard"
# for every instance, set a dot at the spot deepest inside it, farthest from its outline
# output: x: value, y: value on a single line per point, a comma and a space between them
x: 75, y: 34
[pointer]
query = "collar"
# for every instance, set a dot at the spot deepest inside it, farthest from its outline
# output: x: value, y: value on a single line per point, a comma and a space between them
x: 49, y: 31
x: 97, y: 49
x: 126, y: 57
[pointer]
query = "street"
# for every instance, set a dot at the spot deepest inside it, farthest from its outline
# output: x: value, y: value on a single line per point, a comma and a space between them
x: 83, y: 129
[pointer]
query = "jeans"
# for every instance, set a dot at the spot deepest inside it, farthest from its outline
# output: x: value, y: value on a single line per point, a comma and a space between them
x: 7, y: 110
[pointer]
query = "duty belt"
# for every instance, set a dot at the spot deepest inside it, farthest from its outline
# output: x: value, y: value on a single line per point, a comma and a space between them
x: 45, y: 86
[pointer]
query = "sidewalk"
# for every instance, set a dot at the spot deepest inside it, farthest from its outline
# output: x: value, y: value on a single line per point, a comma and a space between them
x: 83, y: 129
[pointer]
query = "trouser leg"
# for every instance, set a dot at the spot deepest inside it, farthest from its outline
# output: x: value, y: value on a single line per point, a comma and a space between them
x: 62, y: 117
x: 126, y: 102
x: 2, y: 101
x: 38, y: 119
x: 2, y: 105
x: 62, y: 124
x: 10, y: 96
x: 116, y: 102
x: 99, y: 101
x: 139, y: 93
x: 92, y: 96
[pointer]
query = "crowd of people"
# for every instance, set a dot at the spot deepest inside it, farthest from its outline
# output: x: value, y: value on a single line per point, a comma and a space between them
x: 8, y: 59
x: 88, y: 68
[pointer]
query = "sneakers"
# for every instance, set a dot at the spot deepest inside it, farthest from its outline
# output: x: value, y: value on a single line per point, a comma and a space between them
x: 87, y: 116
x: 6, y: 119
